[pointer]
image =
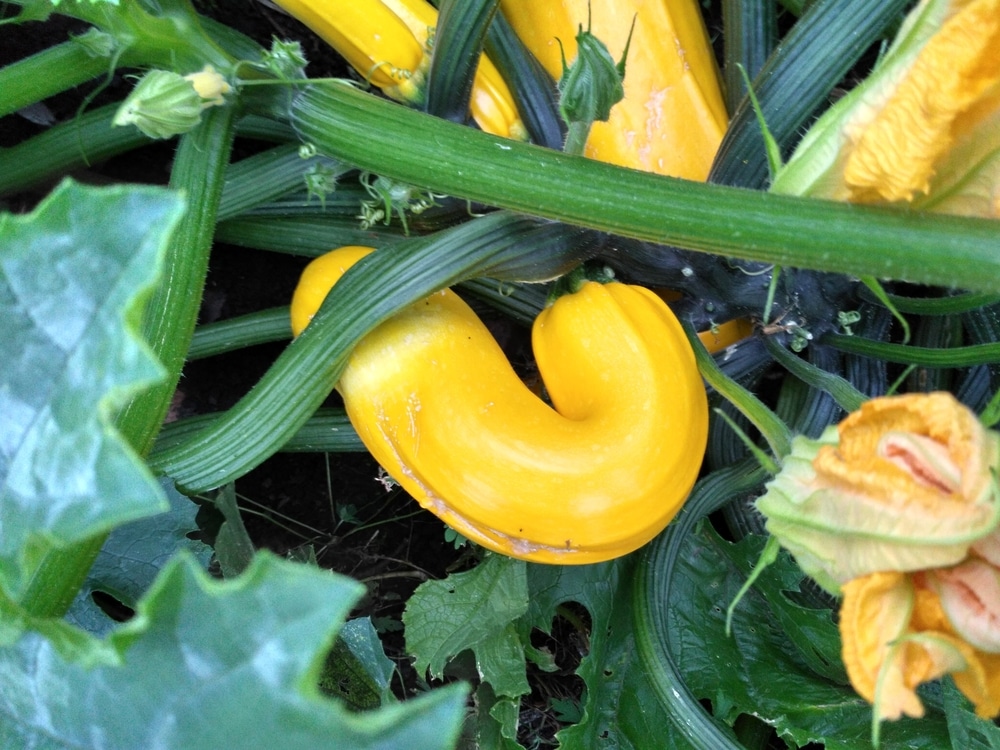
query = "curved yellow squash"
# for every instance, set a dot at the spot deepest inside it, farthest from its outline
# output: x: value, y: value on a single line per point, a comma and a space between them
x: 436, y: 402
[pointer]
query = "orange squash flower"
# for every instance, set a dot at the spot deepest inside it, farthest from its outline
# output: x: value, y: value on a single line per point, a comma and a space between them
x: 924, y: 128
x: 897, y: 509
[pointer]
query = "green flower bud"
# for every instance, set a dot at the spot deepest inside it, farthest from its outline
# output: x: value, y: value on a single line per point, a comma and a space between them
x: 164, y: 104
x: 592, y: 85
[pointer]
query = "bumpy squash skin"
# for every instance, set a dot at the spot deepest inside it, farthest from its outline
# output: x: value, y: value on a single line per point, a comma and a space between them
x: 436, y: 402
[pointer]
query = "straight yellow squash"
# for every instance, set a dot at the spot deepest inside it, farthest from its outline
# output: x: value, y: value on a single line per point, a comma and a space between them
x: 388, y: 42
x: 592, y: 477
x: 672, y: 118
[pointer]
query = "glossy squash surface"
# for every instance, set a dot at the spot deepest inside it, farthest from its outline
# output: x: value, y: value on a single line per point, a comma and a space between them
x: 593, y: 476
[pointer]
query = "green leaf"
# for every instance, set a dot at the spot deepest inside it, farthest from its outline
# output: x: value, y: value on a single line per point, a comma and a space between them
x: 233, y: 546
x: 357, y: 669
x: 208, y: 664
x: 968, y: 731
x: 620, y: 709
x: 496, y: 720
x: 760, y: 670
x: 472, y: 610
x: 132, y: 557
x: 73, y: 278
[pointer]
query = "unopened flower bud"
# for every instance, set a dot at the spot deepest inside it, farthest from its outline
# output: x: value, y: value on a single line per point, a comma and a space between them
x: 164, y: 104
x: 592, y: 85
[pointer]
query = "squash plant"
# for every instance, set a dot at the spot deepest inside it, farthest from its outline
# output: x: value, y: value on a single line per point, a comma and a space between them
x: 100, y: 289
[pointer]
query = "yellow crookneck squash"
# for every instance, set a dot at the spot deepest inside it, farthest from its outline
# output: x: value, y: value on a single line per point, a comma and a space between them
x: 592, y: 477
x: 673, y: 117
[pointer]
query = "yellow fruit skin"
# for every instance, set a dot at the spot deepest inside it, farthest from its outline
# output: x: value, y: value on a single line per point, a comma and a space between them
x: 373, y: 40
x: 492, y: 105
x: 387, y: 42
x: 726, y: 334
x: 435, y: 400
x: 672, y: 118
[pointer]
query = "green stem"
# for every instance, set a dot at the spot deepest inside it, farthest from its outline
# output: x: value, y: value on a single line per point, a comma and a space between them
x: 173, y: 39
x: 199, y: 170
x: 58, y: 578
x: 775, y: 432
x: 170, y: 317
x: 813, y: 57
x: 259, y: 327
x: 750, y: 33
x: 49, y: 72
x: 458, y: 43
x: 652, y: 590
x: 923, y: 356
x: 746, y: 224
x: 79, y: 142
x: 846, y: 395
x: 576, y: 137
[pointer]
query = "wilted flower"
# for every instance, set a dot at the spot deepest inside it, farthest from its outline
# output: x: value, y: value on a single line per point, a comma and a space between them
x: 210, y: 86
x: 900, y: 630
x: 898, y: 510
x: 903, y: 484
x: 923, y: 128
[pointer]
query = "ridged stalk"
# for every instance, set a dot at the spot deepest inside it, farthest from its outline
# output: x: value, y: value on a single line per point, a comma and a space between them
x: 533, y: 89
x: 813, y: 57
x: 49, y: 72
x: 750, y: 225
x: 260, y: 327
x: 199, y: 170
x: 750, y: 34
x: 268, y: 175
x: 458, y: 45
x: 84, y: 140
x: 959, y: 356
x: 167, y: 327
x: 651, y: 597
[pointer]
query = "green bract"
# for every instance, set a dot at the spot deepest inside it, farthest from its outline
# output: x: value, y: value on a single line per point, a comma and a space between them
x: 592, y: 85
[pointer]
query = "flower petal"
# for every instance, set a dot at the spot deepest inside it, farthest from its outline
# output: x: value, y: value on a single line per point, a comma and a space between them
x: 970, y: 597
x: 885, y: 656
x: 895, y: 155
x: 980, y: 683
x: 905, y: 484
x: 874, y: 613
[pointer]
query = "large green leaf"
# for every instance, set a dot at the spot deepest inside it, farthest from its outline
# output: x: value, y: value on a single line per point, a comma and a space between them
x: 759, y: 669
x: 472, y: 610
x: 357, y: 669
x: 492, y: 609
x: 968, y: 731
x: 132, y: 557
x: 73, y: 277
x: 620, y: 709
x: 208, y: 664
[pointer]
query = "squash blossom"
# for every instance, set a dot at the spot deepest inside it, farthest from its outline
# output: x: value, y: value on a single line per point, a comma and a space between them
x: 389, y: 42
x: 672, y: 117
x: 924, y: 128
x: 164, y: 104
x: 897, y: 509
